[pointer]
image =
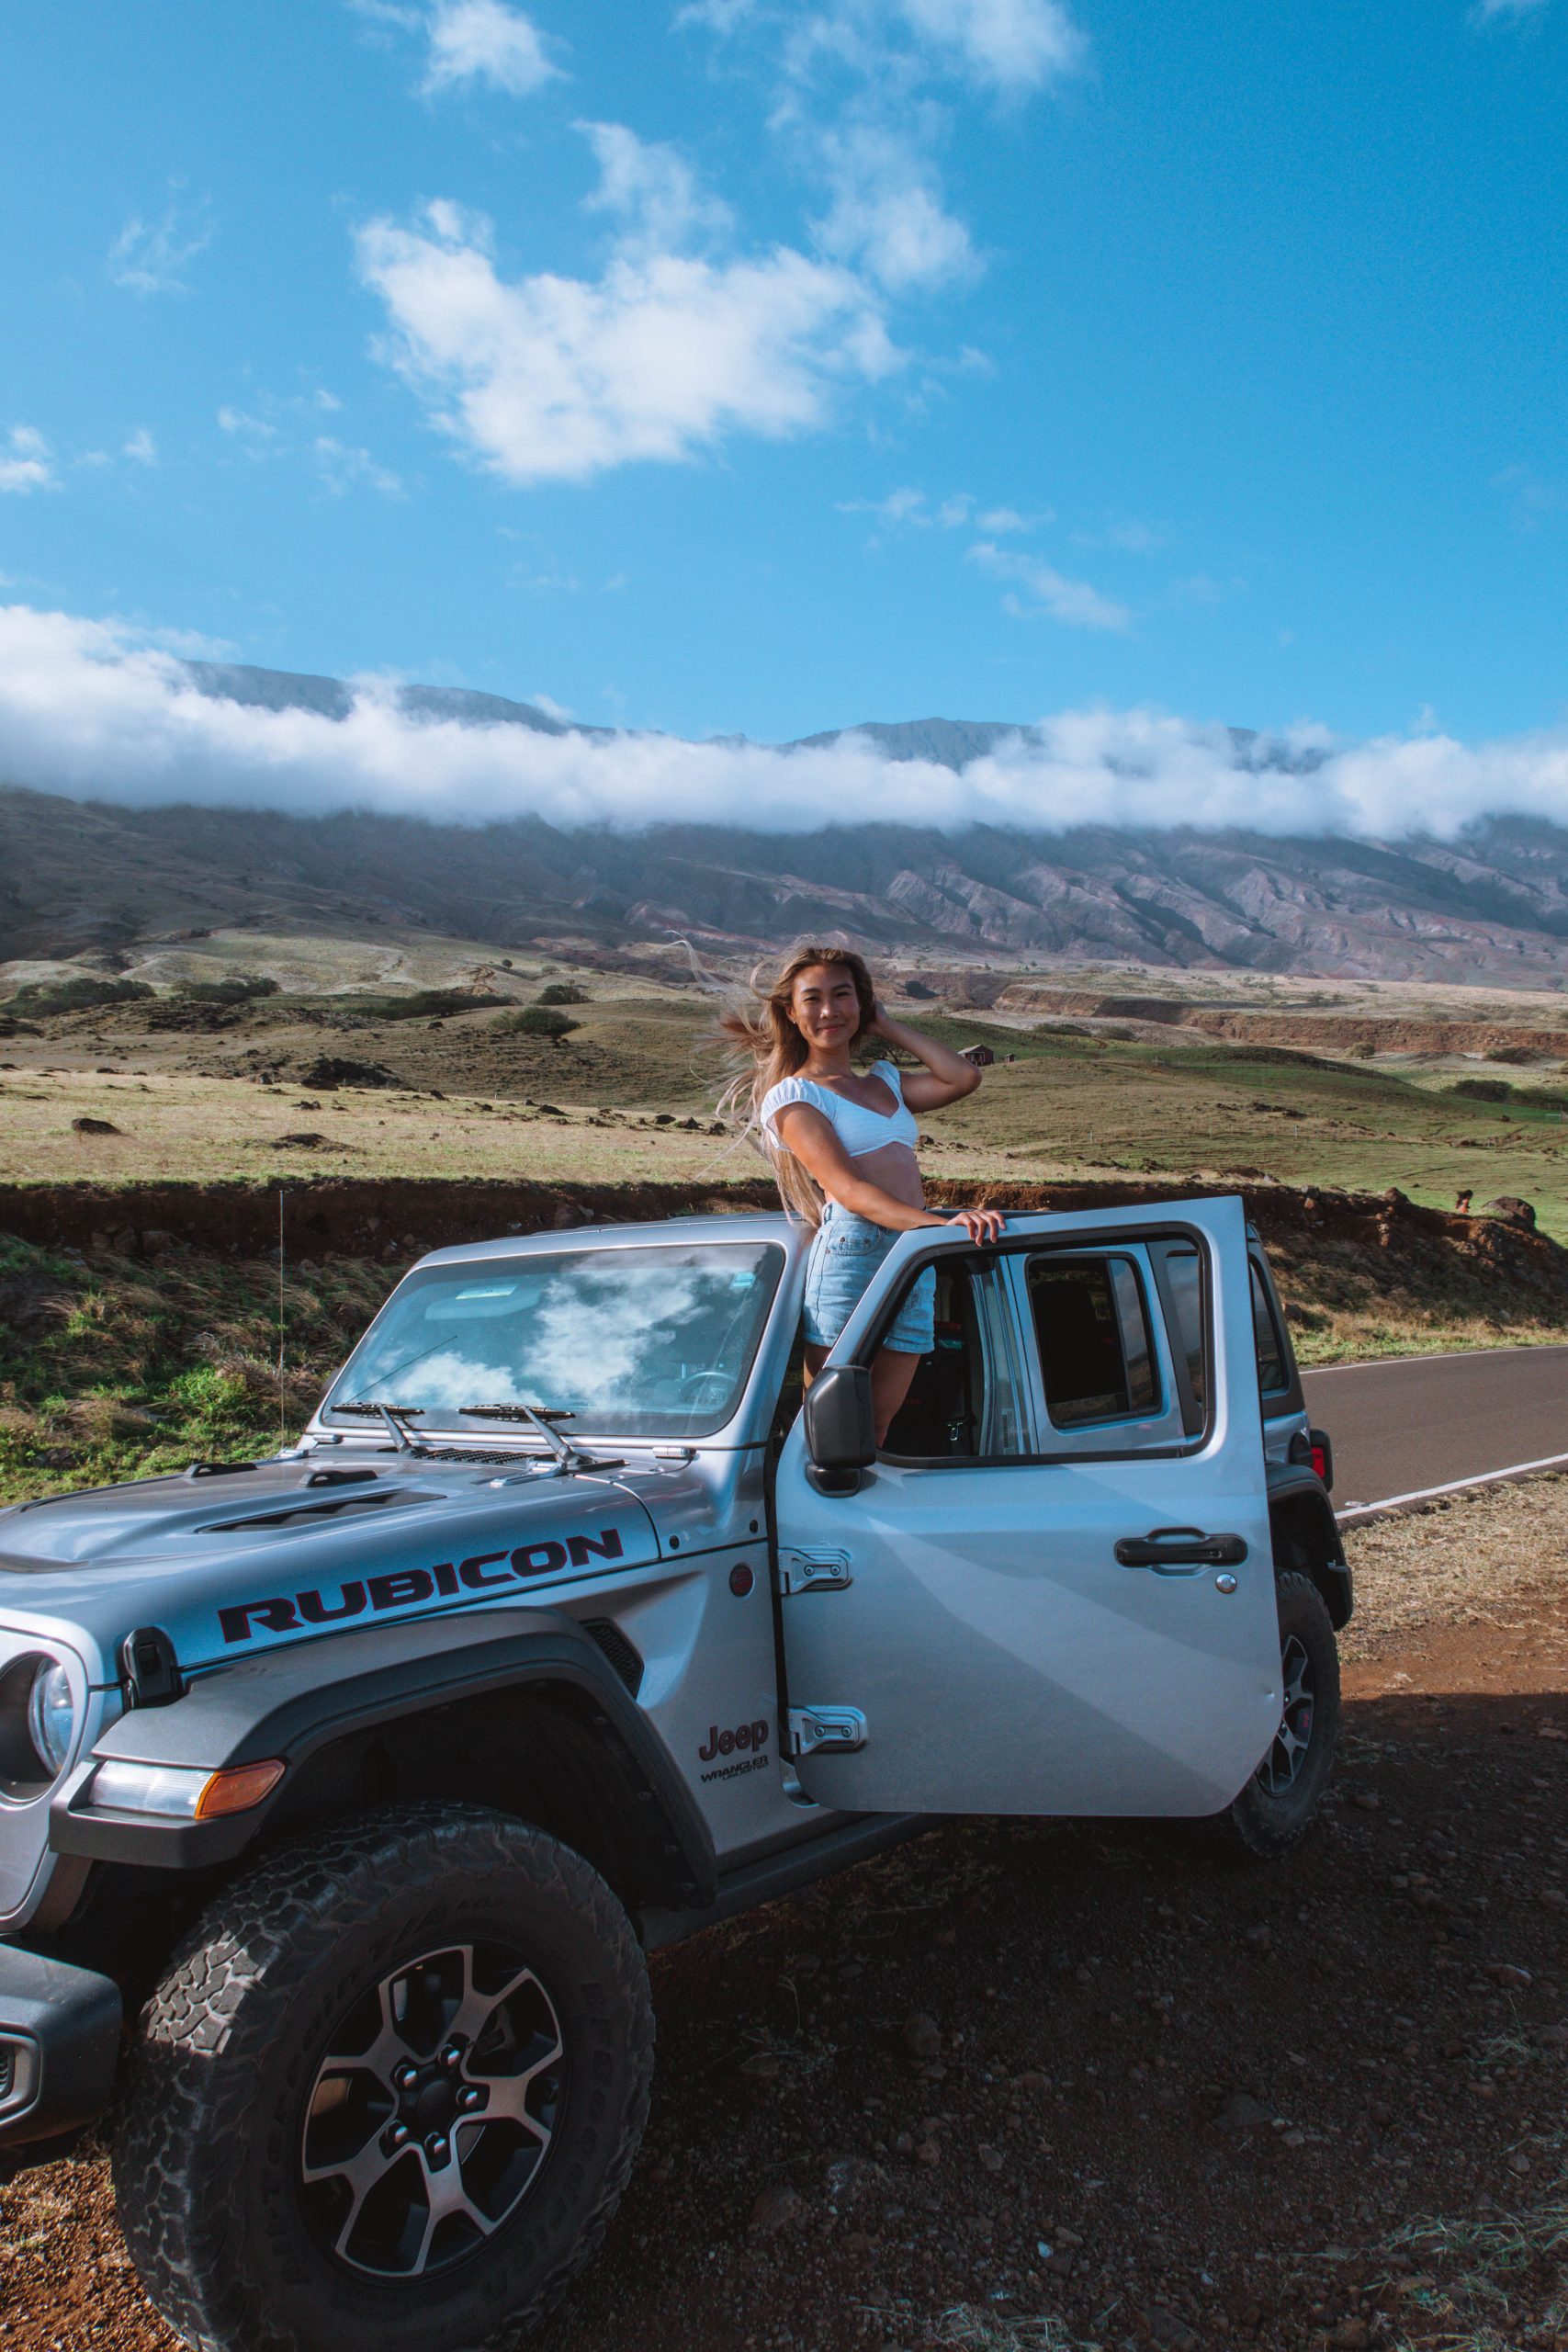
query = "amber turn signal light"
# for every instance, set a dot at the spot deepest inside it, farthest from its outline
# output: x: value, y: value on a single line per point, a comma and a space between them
x: 238, y: 1788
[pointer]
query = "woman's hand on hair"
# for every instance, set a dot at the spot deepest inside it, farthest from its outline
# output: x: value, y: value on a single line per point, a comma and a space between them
x: 982, y: 1226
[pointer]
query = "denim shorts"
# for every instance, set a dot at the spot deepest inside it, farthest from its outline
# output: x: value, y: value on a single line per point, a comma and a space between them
x: 844, y: 1256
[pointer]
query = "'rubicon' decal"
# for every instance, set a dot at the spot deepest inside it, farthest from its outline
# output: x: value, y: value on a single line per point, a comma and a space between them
x: 407, y: 1588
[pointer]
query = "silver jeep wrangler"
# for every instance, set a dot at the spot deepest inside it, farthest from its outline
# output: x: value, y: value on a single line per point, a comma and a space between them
x: 342, y: 1794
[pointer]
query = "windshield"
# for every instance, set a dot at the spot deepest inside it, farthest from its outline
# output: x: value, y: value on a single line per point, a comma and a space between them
x: 633, y: 1342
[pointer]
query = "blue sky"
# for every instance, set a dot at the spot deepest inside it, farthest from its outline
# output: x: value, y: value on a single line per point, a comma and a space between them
x: 757, y: 368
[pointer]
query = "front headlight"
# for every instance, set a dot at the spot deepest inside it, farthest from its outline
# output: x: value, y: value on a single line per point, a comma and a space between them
x: 51, y: 1716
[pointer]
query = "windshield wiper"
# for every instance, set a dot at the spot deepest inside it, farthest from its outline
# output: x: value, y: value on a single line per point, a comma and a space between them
x: 394, y: 1416
x: 538, y: 1417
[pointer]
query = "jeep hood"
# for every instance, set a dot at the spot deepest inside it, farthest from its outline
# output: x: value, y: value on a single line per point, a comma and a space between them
x: 233, y: 1563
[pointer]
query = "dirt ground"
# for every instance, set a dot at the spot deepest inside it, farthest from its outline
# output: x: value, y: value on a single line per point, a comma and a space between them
x: 1038, y: 2087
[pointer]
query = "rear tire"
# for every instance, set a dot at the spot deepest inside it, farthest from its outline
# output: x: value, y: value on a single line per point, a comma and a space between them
x: 1281, y: 1802
x: 389, y: 2092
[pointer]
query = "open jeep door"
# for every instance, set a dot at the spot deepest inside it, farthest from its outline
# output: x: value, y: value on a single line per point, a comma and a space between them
x: 1053, y: 1591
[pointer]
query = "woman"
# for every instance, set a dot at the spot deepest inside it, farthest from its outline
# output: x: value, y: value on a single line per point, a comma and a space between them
x: 843, y: 1145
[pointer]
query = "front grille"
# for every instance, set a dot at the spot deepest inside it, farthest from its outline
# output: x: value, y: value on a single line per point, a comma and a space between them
x: 8, y: 2069
x: 623, y: 1655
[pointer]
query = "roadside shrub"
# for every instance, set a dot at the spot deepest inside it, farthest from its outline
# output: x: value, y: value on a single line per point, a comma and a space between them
x: 84, y: 995
x: 535, y: 1020
x: 1481, y: 1089
x: 1511, y: 1054
x: 562, y: 993
x: 238, y: 989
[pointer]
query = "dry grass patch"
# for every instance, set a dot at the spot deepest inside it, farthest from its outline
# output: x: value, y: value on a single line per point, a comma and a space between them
x: 1474, y: 1559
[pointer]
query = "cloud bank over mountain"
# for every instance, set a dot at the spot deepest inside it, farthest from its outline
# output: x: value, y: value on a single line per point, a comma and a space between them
x: 92, y: 710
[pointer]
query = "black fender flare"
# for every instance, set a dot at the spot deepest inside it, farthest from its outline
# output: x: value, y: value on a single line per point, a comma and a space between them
x: 1306, y: 1536
x: 294, y: 1700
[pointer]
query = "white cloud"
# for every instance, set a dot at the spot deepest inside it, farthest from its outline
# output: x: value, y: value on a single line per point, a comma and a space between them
x: 342, y: 469
x: 1000, y: 520
x: 546, y: 378
x: 91, y: 709
x: 140, y: 447
x: 1049, y: 594
x: 153, y: 257
x: 954, y: 513
x: 257, y: 436
x: 1489, y: 8
x: 899, y: 506
x: 1011, y: 45
x: 26, y: 462
x: 651, y: 190
x: 887, y: 213
x: 482, y: 41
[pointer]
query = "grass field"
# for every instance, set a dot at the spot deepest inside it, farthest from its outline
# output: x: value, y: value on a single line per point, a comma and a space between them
x: 118, y: 1364
x: 630, y: 1095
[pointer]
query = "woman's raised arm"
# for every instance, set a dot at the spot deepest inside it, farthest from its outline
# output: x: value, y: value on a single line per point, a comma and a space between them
x: 946, y: 1078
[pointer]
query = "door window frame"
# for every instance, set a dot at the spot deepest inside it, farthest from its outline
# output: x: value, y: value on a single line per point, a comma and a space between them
x: 1196, y: 1423
x: 1003, y: 1359
x: 1096, y: 1441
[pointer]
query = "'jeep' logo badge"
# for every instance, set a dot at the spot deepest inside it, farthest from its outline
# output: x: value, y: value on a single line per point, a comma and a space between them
x: 724, y: 1743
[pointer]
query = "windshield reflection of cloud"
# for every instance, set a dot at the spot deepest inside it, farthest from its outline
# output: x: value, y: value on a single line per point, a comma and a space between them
x: 595, y: 1337
x: 600, y: 1339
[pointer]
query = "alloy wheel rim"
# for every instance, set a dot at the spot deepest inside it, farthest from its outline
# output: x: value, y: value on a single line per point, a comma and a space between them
x: 432, y: 2112
x: 1283, y: 1765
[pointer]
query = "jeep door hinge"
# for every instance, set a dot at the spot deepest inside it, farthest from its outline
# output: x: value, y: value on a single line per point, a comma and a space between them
x: 813, y: 1571
x: 825, y: 1731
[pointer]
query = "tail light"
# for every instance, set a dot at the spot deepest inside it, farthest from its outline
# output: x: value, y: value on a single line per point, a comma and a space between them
x: 1314, y: 1447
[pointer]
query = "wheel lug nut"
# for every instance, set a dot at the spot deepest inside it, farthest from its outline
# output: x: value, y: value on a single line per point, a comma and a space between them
x: 398, y: 2134
x: 472, y: 2097
x: 405, y: 2077
x: 453, y: 2055
x: 436, y: 2148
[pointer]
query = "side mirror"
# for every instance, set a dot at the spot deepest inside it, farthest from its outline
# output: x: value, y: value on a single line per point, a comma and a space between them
x: 840, y: 1427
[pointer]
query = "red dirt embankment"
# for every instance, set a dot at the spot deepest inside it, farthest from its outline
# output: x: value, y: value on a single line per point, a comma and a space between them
x: 1327, y: 1033
x: 363, y: 1217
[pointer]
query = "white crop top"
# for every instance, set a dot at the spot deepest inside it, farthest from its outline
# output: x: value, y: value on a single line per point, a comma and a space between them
x: 859, y: 1130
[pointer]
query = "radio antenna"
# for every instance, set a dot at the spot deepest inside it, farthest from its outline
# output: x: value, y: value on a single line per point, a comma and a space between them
x: 281, y: 1406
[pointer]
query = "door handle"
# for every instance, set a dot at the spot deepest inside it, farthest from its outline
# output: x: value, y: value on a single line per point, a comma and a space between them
x: 1175, y: 1550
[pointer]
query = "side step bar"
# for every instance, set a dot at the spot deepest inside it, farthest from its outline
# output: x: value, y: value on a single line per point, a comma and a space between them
x: 785, y: 1872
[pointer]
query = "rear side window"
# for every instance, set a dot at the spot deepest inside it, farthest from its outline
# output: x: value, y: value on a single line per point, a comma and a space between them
x: 1272, y: 1372
x: 1093, y: 1329
x: 1186, y: 1279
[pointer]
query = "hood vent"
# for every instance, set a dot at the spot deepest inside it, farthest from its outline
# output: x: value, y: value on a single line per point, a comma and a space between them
x: 316, y: 1511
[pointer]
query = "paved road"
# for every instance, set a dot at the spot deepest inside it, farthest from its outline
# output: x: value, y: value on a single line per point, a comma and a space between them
x: 1419, y: 1421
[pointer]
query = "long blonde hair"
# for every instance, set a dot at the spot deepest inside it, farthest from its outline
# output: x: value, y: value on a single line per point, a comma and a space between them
x: 765, y: 1045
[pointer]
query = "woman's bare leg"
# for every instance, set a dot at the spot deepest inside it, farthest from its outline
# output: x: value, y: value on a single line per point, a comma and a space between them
x: 892, y: 1372
x: 891, y: 1375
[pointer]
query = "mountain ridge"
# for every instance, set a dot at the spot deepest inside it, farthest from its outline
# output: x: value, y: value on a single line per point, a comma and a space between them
x: 78, y: 875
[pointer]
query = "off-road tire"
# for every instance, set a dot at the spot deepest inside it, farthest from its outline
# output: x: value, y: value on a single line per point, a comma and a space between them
x: 1267, y: 1823
x: 207, y: 2151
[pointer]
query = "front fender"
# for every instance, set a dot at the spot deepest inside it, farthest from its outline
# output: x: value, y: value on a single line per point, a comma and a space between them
x: 290, y: 1703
